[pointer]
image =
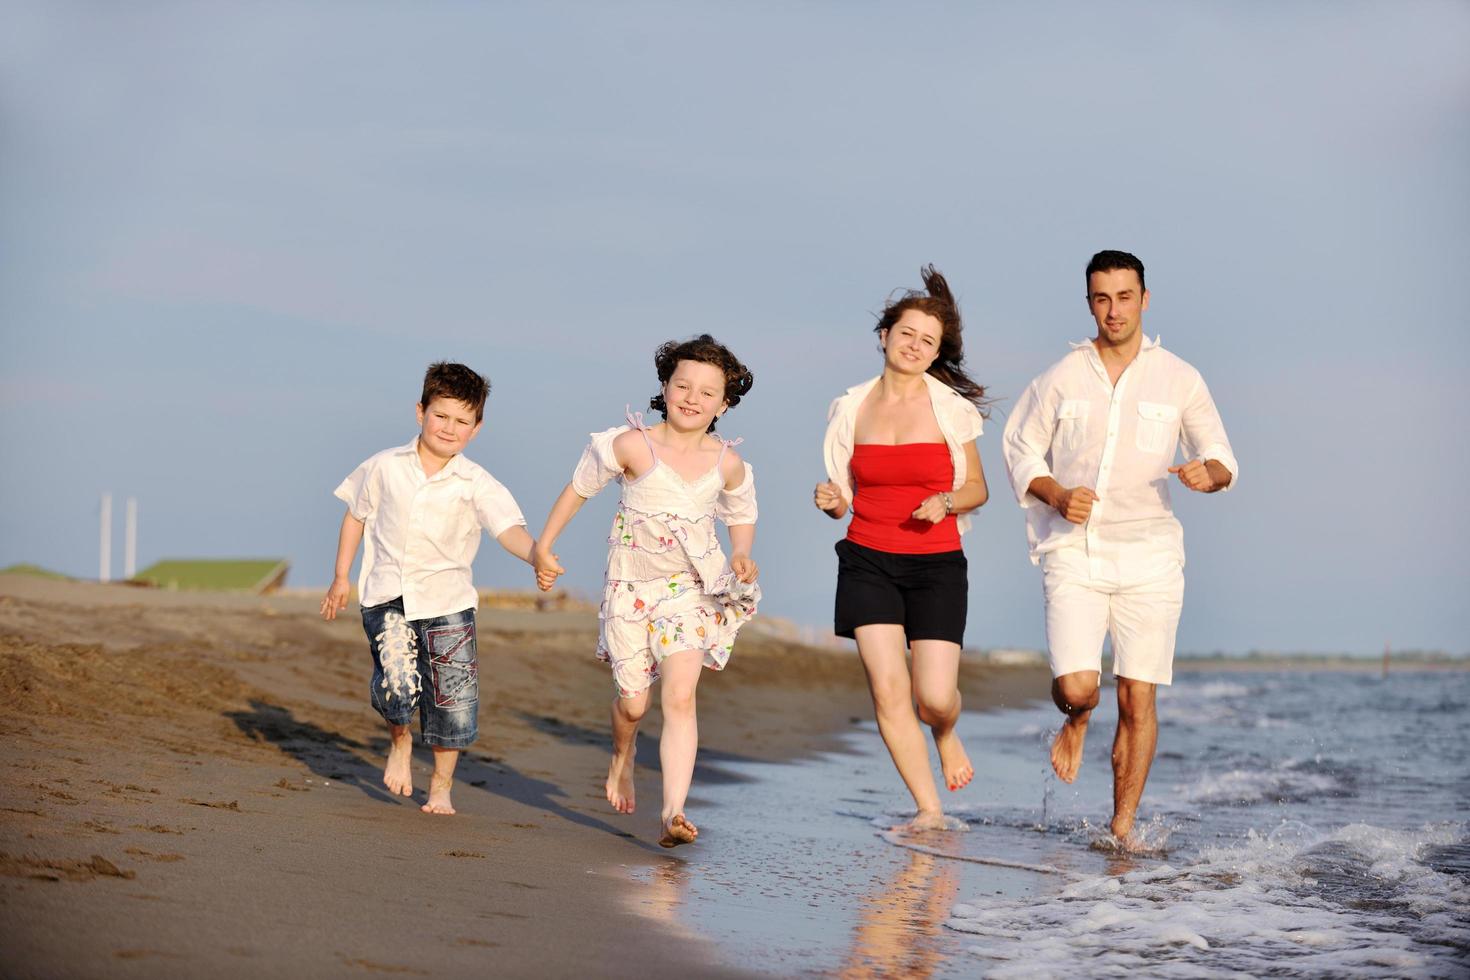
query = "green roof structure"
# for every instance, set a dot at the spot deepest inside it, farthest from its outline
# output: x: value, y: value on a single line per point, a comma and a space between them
x: 34, y: 570
x: 216, y: 575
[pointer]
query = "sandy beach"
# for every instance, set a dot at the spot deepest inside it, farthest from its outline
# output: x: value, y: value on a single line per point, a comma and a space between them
x: 193, y: 784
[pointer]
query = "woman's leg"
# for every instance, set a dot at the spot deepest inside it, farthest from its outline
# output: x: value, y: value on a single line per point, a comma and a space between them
x: 679, y: 741
x: 936, y: 674
x: 626, y: 714
x: 881, y: 647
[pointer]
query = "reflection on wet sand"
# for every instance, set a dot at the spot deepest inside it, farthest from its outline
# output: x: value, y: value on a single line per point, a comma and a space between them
x: 900, y: 924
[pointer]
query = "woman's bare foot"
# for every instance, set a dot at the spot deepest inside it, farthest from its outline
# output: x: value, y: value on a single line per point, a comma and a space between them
x: 954, y: 761
x: 678, y: 831
x: 934, y: 820
x: 620, y: 783
x: 1066, y: 748
x: 439, y: 796
x: 397, y: 775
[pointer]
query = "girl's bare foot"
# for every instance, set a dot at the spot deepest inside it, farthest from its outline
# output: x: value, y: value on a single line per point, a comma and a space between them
x: 397, y: 775
x: 620, y: 783
x: 953, y: 760
x: 678, y: 831
x: 1066, y: 748
x: 439, y: 796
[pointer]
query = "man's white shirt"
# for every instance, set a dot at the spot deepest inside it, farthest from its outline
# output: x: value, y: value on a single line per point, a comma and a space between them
x: 422, y: 532
x: 1074, y: 425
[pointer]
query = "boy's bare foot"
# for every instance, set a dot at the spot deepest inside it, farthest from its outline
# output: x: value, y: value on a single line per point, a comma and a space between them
x: 397, y: 775
x: 1066, y: 748
x: 953, y: 760
x: 439, y: 796
x: 678, y: 831
x: 620, y: 783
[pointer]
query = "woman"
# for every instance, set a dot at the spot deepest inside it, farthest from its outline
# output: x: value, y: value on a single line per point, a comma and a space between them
x: 900, y: 454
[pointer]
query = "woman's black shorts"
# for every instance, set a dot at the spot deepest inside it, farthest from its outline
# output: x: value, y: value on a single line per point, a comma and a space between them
x: 925, y: 594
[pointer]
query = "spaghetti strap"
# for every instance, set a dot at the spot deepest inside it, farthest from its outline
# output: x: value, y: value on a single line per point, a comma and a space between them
x: 727, y: 444
x: 635, y: 419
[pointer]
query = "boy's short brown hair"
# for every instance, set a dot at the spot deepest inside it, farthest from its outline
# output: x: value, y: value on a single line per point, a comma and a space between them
x: 445, y: 379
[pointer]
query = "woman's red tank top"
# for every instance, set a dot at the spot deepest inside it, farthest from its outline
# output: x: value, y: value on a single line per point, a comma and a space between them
x: 889, y: 483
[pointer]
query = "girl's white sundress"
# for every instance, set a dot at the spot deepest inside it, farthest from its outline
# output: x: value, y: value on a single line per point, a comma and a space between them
x: 668, y: 587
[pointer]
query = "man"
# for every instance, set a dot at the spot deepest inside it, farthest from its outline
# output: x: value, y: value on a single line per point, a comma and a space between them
x: 1089, y: 452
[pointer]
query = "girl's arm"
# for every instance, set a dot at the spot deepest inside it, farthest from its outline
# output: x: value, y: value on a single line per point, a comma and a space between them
x: 738, y: 505
x: 742, y: 540
x: 547, y: 565
x: 347, y: 541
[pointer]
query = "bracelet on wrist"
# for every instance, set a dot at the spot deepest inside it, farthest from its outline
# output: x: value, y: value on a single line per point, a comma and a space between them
x: 948, y: 503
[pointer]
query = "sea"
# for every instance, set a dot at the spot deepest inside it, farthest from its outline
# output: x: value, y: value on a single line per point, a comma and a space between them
x: 1296, y: 823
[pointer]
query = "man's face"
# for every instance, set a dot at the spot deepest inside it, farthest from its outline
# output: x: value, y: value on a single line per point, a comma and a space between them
x: 1118, y: 300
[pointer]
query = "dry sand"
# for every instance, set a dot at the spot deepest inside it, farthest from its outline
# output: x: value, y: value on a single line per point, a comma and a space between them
x: 192, y: 785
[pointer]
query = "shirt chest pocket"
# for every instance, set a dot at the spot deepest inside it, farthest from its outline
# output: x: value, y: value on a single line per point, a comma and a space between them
x: 1072, y: 424
x: 1158, y: 424
x: 448, y: 517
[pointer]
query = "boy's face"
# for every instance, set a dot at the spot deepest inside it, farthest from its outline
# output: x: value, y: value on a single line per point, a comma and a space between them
x: 446, y: 426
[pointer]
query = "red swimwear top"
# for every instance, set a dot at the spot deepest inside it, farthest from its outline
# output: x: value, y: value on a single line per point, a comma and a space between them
x: 889, y: 483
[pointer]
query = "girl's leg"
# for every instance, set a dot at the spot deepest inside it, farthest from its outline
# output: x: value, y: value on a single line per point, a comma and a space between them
x: 679, y: 742
x: 881, y: 647
x: 626, y: 714
x: 936, y: 674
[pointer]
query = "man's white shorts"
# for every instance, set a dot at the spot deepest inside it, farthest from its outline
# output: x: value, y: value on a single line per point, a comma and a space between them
x: 1135, y: 597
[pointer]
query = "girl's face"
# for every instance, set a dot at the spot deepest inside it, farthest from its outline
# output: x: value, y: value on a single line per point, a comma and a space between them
x: 695, y: 395
x: 912, y: 343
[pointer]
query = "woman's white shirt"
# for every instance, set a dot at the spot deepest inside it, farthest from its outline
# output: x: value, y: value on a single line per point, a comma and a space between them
x: 959, y: 421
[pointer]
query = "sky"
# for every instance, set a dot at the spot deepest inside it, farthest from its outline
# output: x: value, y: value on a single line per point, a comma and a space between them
x: 232, y: 237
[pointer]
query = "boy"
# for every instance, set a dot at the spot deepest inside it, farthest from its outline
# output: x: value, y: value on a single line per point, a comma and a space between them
x: 422, y: 506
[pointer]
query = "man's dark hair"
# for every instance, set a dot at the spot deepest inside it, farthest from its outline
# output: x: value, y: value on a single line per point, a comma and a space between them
x: 1111, y: 260
x: 445, y: 379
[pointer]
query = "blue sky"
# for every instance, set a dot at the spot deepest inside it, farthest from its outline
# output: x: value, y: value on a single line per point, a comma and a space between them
x: 233, y: 236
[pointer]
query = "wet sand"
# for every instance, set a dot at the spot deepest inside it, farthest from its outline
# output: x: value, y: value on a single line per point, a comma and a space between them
x: 192, y: 783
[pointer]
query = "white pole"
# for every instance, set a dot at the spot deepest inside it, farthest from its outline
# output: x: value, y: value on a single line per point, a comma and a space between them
x: 105, y: 559
x: 130, y: 540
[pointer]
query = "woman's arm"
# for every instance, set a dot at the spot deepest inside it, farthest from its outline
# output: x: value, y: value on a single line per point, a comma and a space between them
x: 971, y: 494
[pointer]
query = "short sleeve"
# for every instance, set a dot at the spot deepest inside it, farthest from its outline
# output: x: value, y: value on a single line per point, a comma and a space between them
x: 738, y: 506
x: 599, y: 465
x: 495, y: 508
x: 359, y: 491
x: 968, y: 422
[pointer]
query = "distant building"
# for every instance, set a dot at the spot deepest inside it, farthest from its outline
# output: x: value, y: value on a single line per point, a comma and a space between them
x: 258, y: 575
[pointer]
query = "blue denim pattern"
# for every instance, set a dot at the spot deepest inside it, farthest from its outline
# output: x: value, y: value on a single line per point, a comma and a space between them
x: 428, y: 666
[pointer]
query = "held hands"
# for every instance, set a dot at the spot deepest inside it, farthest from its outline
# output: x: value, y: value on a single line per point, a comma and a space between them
x: 932, y: 509
x: 1076, y: 504
x: 1195, y: 475
x: 548, y: 568
x: 336, y: 598
x: 745, y: 568
x: 828, y: 498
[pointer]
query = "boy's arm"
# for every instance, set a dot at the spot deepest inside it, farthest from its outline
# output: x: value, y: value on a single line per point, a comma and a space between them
x: 347, y: 541
x: 742, y: 540
x: 547, y: 565
x: 517, y: 540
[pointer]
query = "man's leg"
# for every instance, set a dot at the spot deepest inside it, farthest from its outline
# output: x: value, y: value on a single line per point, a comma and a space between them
x: 1076, y: 623
x: 678, y: 743
x: 935, y: 677
x: 626, y: 714
x: 881, y: 648
x: 1133, y: 750
x: 1075, y: 695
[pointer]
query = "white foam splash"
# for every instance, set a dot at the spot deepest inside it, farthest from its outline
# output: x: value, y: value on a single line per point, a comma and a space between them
x: 1286, y: 782
x: 398, y: 653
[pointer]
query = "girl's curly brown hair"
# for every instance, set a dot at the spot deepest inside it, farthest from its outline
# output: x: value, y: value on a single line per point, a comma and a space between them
x: 706, y: 350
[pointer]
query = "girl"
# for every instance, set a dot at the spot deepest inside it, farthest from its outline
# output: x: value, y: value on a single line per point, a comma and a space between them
x: 671, y: 603
x: 900, y: 454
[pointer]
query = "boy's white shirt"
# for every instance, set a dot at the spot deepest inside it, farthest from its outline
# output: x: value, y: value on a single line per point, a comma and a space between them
x: 959, y: 420
x: 421, y: 533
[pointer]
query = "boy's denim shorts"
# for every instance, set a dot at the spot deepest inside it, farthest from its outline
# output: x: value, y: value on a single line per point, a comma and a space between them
x: 428, y: 666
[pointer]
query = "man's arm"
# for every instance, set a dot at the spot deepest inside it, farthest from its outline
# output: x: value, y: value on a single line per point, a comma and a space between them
x: 1211, y: 466
x: 347, y: 541
x: 1073, y: 503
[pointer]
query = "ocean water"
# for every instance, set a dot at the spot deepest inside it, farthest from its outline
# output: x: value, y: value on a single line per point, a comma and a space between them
x: 1298, y: 824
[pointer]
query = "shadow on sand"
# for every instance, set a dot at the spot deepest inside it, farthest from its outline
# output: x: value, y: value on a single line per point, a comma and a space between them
x: 707, y: 765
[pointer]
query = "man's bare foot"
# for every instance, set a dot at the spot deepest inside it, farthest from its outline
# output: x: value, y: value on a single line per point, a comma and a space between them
x: 952, y: 759
x: 439, y: 796
x: 678, y: 831
x: 620, y: 783
x: 1066, y: 749
x: 1122, y: 829
x: 397, y: 775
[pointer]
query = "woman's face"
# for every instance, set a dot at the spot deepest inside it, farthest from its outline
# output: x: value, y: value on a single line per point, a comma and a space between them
x: 912, y: 343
